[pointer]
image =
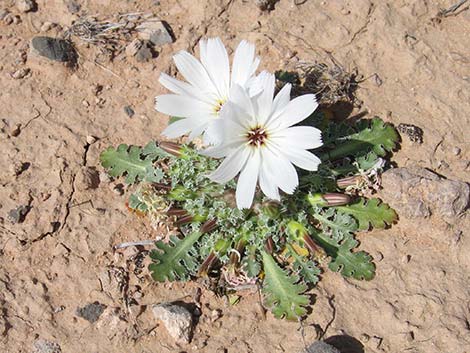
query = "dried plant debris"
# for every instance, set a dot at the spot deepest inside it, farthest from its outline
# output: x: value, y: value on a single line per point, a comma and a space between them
x: 113, y: 35
x: 454, y: 10
x: 332, y: 83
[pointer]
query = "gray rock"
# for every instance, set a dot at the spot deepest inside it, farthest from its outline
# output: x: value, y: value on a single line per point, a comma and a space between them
x: 73, y: 6
x: 155, y: 31
x: 54, y: 49
x: 17, y: 215
x: 321, y: 347
x: 26, y: 5
x: 43, y: 346
x: 144, y: 53
x: 177, y: 320
x: 91, y: 312
x: 417, y: 193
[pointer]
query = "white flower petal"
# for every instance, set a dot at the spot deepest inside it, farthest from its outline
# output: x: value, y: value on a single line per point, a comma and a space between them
x: 264, y: 100
x: 282, y: 98
x: 244, y: 63
x: 240, y: 98
x: 214, y: 57
x: 247, y: 181
x: 231, y: 166
x: 182, y: 106
x: 266, y: 180
x: 283, y: 172
x: 195, y: 73
x: 302, y: 137
x: 197, y: 131
x: 180, y: 87
x: 220, y: 150
x: 302, y: 159
x: 182, y: 127
x: 295, y: 111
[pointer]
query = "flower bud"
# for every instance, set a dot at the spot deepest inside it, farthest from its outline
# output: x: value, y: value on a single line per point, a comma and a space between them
x: 271, y: 209
x: 349, y: 181
x: 209, y: 226
x: 329, y: 199
x: 180, y: 193
x: 178, y: 212
x: 171, y: 148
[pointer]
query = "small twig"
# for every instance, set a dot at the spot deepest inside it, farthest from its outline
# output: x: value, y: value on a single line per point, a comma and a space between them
x: 451, y: 11
x: 134, y: 243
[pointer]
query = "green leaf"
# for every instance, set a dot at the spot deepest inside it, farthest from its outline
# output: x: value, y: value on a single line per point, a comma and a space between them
x: 137, y: 204
x: 128, y: 160
x: 250, y: 263
x: 375, y: 136
x: 154, y: 152
x: 174, y: 260
x: 337, y: 224
x: 350, y: 264
x: 283, y: 295
x: 306, y: 268
x: 370, y: 212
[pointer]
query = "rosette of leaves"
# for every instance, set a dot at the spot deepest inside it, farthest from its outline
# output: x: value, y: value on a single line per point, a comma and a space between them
x: 281, y: 246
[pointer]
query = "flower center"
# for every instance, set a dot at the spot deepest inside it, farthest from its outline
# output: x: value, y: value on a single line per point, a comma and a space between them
x: 257, y: 136
x: 218, y: 106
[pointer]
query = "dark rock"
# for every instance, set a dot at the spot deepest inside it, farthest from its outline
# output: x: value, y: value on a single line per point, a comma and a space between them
x: 155, y: 31
x: 266, y: 5
x: 54, y: 49
x: 321, y: 347
x: 73, y: 6
x: 129, y: 111
x: 91, y: 312
x: 417, y: 193
x: 17, y: 215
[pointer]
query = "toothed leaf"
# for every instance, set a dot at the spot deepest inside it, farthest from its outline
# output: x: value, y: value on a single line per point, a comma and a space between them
x: 336, y: 224
x: 306, y: 268
x: 128, y: 161
x: 375, y: 136
x: 283, y: 295
x: 350, y: 264
x: 370, y: 212
x: 174, y: 260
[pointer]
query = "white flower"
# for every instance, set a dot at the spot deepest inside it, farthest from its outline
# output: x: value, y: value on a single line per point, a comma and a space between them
x: 260, y: 143
x: 200, y: 100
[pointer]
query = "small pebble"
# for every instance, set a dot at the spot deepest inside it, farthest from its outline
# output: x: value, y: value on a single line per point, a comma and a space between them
x: 85, y: 103
x: 129, y: 111
x: 456, y: 150
x: 91, y: 139
x: 46, y: 26
x: 118, y: 189
x: 16, y: 130
x: 364, y: 338
x: 410, y: 337
x: 26, y: 5
x: 21, y: 73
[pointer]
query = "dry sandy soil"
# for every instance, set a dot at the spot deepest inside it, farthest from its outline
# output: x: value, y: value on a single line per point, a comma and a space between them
x: 61, y: 258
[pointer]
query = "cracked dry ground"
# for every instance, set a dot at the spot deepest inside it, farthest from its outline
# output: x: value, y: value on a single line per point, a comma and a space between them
x: 60, y: 257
